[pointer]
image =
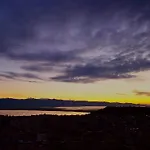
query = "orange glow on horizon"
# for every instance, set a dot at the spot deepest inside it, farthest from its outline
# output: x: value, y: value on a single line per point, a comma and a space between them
x: 137, y: 100
x: 122, y: 91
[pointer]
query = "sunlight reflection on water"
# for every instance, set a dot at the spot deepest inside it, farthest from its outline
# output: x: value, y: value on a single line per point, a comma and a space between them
x: 34, y: 112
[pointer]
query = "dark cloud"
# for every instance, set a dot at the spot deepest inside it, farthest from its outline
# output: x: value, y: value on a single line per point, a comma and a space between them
x: 44, y: 56
x: 70, y: 79
x: 19, y: 76
x: 44, y: 67
x: 118, y: 68
x: 38, y: 68
x: 90, y: 73
x: 141, y: 93
x: 33, y: 81
x: 83, y: 40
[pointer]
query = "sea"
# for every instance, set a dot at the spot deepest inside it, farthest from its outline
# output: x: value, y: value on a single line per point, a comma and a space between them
x: 72, y: 111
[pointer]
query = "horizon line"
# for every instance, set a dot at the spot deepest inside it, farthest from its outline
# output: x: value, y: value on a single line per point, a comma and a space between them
x: 95, y: 101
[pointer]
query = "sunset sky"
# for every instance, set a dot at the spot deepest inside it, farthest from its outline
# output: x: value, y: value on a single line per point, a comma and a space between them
x: 75, y: 49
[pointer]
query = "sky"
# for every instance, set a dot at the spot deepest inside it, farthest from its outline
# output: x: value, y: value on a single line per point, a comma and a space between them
x: 96, y: 50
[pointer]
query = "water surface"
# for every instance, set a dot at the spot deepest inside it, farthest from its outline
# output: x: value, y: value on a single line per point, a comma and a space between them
x: 36, y: 112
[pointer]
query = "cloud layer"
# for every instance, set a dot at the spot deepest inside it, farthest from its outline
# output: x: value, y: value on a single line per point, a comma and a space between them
x: 141, y: 93
x: 81, y: 41
x: 28, y: 77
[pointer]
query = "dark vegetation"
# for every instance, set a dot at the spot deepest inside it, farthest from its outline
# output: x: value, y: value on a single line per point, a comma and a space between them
x: 113, y: 128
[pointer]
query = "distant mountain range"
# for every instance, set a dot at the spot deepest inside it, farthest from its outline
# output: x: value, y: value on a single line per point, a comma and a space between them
x: 31, y: 103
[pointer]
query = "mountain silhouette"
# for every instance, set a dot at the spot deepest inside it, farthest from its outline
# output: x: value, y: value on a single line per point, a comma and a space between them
x: 31, y: 103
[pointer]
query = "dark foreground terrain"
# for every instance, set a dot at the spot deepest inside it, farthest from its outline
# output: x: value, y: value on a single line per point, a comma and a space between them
x: 108, y: 129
